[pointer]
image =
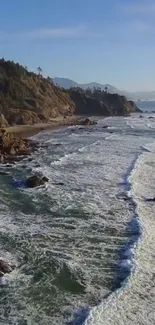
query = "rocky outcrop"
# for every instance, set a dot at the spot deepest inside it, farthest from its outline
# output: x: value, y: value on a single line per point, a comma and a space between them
x: 133, y: 107
x: 85, y: 105
x: 35, y: 181
x: 101, y: 103
x: 5, y: 267
x: 86, y: 121
x: 28, y: 98
x: 3, y: 122
x: 21, y: 117
x: 12, y: 147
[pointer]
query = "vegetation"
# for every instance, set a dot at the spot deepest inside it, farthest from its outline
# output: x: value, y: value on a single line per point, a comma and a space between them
x: 100, y: 102
x: 26, y: 97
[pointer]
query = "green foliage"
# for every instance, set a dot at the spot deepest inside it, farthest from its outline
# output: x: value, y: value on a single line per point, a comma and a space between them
x: 115, y: 103
x: 16, y: 84
x: 30, y: 95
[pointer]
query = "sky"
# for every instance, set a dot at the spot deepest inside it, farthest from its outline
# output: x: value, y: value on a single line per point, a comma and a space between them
x: 109, y: 41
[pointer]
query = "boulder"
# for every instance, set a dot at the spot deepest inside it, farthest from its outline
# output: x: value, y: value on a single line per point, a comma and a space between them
x: 45, y: 179
x: 12, y: 151
x: 86, y: 121
x: 150, y: 199
x: 1, y: 159
x: 3, y: 122
x: 35, y: 181
x: 5, y: 267
x: 11, y: 147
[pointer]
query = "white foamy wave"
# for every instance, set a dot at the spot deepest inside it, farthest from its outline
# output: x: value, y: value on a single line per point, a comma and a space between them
x: 134, y: 303
x: 87, y: 225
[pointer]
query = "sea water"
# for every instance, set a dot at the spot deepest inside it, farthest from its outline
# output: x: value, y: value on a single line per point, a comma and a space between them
x: 84, y: 250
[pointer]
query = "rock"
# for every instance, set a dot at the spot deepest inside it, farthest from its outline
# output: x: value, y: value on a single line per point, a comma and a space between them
x: 12, y: 148
x: 57, y: 144
x: 151, y: 117
x: 141, y: 116
x: 12, y: 151
x: 105, y: 126
x: 1, y: 159
x: 5, y: 267
x: 60, y: 183
x: 35, y: 181
x: 151, y: 199
x: 45, y: 179
x: 86, y: 121
x: 3, y: 121
x: 37, y: 165
x: 101, y: 103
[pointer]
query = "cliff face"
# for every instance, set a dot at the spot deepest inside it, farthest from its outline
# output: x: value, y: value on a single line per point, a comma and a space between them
x: 26, y: 97
x: 85, y: 105
x: 101, y: 103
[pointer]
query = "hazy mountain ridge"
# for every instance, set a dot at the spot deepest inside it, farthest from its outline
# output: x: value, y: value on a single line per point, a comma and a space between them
x: 68, y: 83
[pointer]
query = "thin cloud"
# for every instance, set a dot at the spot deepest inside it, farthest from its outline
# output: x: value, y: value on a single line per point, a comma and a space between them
x: 140, y: 8
x: 73, y: 32
x: 50, y: 33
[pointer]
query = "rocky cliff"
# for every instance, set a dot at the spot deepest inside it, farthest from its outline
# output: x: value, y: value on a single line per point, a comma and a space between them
x: 26, y: 97
x: 85, y: 105
x: 99, y: 102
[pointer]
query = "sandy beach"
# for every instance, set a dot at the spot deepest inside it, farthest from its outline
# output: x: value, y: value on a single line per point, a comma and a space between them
x: 26, y: 131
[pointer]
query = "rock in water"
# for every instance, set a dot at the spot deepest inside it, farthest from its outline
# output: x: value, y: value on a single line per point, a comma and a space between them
x: 35, y: 181
x: 5, y: 267
x: 86, y: 121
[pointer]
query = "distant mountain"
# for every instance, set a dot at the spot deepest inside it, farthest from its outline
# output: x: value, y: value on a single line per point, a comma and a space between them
x: 137, y: 95
x: 65, y: 82
x: 92, y: 85
x: 68, y: 83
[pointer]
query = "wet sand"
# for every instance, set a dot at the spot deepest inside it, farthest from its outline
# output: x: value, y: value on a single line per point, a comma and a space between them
x: 26, y: 131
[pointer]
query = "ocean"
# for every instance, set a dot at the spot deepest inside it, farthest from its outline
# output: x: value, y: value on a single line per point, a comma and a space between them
x: 84, y: 251
x: 146, y: 106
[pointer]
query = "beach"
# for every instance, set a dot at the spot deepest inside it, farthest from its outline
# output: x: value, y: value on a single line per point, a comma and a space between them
x: 26, y: 131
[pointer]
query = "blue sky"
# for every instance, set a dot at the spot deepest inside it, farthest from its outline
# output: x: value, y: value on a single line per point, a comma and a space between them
x: 110, y: 41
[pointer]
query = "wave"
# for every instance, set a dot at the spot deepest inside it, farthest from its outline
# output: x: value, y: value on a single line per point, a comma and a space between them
x: 127, y: 261
x: 110, y: 310
x: 72, y: 154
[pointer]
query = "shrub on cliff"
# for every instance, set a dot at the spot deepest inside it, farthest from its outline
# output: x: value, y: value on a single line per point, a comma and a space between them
x: 24, y: 90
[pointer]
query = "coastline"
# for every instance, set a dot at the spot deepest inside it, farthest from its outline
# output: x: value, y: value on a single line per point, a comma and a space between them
x: 16, y: 140
x: 27, y: 130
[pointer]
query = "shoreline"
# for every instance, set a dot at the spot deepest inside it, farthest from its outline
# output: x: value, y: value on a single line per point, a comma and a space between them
x: 16, y: 142
x: 27, y: 131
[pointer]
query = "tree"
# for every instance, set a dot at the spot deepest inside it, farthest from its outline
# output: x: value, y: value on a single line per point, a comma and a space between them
x: 39, y: 69
x: 106, y: 89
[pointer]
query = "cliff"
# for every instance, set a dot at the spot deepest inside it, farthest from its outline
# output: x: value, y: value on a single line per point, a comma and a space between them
x: 85, y: 105
x: 26, y: 97
x: 99, y: 102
